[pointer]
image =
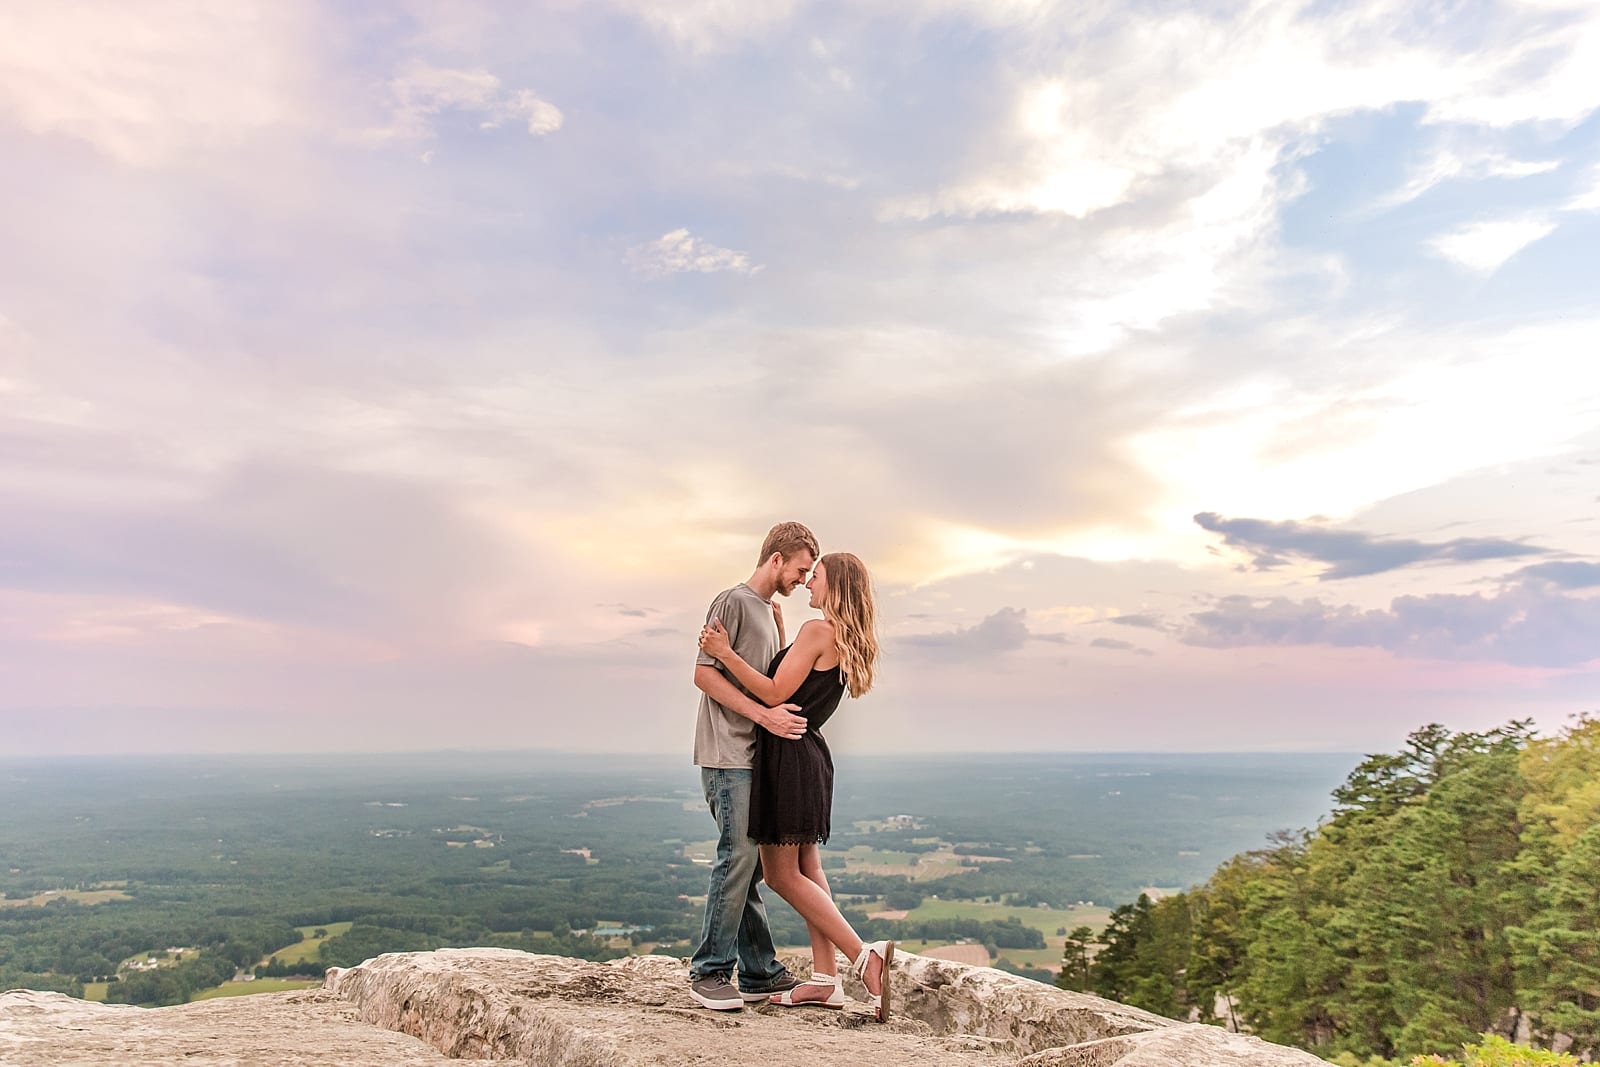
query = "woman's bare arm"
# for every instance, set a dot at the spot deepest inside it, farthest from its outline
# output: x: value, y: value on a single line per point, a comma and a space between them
x: 809, y: 645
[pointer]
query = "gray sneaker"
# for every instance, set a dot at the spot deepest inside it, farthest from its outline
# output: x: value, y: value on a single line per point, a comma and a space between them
x: 714, y: 991
x: 784, y: 981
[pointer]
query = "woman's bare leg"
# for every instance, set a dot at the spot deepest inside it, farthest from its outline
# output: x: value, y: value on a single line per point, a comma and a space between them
x: 780, y: 866
x: 823, y: 958
x: 822, y: 950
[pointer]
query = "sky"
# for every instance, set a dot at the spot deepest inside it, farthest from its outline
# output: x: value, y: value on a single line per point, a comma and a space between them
x: 410, y: 376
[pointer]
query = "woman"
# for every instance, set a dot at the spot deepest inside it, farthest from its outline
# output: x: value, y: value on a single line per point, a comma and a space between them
x: 791, y: 798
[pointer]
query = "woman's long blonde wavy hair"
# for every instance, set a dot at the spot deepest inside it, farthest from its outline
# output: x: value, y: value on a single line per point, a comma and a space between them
x: 848, y: 604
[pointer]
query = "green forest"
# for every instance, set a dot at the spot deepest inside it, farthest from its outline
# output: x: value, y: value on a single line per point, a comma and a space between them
x: 1453, y: 891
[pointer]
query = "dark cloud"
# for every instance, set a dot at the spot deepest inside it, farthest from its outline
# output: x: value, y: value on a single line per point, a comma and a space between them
x: 1146, y: 622
x: 1004, y: 631
x: 1565, y: 574
x: 1119, y: 646
x: 629, y: 610
x: 1527, y: 625
x: 1349, y: 553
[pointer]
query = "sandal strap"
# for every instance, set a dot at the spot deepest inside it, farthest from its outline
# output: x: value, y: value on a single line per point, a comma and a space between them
x: 822, y: 979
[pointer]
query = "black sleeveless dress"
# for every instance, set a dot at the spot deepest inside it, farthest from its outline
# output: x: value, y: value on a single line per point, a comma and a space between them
x: 791, y: 794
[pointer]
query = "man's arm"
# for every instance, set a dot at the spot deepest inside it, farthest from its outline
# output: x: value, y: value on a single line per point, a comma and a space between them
x: 781, y: 720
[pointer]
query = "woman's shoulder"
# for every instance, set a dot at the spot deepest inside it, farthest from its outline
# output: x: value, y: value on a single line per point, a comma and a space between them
x: 817, y: 630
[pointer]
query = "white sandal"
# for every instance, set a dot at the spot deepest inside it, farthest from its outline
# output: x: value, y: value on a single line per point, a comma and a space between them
x: 834, y: 999
x: 884, y: 950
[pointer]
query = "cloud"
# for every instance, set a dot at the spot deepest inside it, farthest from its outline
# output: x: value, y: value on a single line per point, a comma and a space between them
x: 1114, y: 645
x: 422, y: 92
x: 1526, y: 625
x: 1004, y: 631
x: 1563, y: 574
x: 679, y: 252
x: 1183, y: 130
x: 1588, y: 200
x: 1485, y: 246
x: 271, y: 543
x: 1349, y: 553
x: 147, y: 86
x: 704, y: 26
x: 401, y: 403
x: 1449, y: 164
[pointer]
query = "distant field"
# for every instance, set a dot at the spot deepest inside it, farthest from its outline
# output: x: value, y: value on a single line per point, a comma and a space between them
x: 260, y: 985
x: 1048, y: 959
x: 95, y: 990
x: 81, y: 896
x: 703, y: 852
x: 879, y: 857
x: 976, y: 955
x: 304, y: 951
x: 917, y: 866
x: 1045, y: 920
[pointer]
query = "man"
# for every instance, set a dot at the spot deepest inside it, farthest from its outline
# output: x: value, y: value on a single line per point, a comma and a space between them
x: 735, y: 931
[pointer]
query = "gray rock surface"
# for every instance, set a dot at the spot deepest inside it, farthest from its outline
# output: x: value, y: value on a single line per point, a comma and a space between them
x: 425, y: 1008
x: 1180, y: 1043
x: 301, y: 1029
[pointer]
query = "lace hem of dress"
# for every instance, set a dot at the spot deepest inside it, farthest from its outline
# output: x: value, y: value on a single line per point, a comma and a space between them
x: 792, y: 839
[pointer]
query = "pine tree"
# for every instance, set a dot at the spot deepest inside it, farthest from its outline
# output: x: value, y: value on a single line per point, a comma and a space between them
x: 1075, y: 961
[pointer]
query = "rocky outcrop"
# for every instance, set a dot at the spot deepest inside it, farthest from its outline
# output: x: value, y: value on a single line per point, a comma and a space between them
x: 492, y: 1003
x: 277, y: 1029
x: 427, y: 1007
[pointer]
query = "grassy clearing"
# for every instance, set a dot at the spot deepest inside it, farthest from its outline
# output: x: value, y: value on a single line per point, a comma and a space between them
x: 917, y: 866
x: 260, y: 985
x: 95, y: 991
x: 880, y: 857
x: 1045, y: 920
x: 305, y: 950
x: 1047, y: 958
x: 161, y: 956
x: 81, y: 896
x: 701, y: 852
x: 975, y: 955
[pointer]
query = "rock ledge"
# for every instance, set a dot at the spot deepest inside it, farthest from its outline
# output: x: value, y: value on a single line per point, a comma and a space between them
x: 407, y: 1009
x: 501, y: 1004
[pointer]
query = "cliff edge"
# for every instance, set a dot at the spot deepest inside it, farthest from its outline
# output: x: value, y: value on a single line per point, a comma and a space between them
x: 496, y: 1004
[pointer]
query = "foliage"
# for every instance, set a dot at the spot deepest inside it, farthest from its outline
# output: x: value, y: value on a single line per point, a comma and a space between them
x: 174, y: 984
x: 1496, y: 1051
x: 1075, y: 971
x: 1455, y: 886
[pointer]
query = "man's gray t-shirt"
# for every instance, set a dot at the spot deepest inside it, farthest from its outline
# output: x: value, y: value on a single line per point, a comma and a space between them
x: 724, y: 738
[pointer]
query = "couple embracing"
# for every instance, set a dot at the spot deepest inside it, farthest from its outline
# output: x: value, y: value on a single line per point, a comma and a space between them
x: 768, y: 775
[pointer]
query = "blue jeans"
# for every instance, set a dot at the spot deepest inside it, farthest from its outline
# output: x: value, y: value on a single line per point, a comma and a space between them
x: 735, y: 927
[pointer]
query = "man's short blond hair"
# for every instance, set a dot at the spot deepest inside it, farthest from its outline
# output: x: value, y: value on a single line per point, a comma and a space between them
x: 787, y: 539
